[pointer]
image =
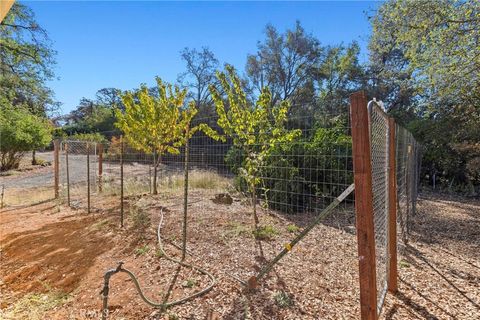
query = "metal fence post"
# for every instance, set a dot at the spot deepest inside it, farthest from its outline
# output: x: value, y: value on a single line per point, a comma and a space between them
x: 88, y: 177
x: 68, y: 173
x: 392, y: 208
x: 363, y: 205
x: 100, y: 167
x: 56, y: 166
x: 121, y: 181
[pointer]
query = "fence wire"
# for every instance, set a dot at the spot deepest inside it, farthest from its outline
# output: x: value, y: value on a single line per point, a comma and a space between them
x: 78, y: 179
x: 407, y: 159
x: 301, y: 176
x: 379, y: 144
x: 304, y: 175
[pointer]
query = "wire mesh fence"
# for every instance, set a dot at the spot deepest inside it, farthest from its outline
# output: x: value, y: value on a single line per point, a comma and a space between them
x: 406, y: 152
x: 408, y: 157
x: 78, y: 173
x: 303, y: 175
x: 379, y: 143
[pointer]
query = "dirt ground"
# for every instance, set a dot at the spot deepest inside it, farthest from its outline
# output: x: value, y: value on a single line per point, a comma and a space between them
x: 53, y: 259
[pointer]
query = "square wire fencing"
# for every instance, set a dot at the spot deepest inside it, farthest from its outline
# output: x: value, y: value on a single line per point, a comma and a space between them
x: 394, y: 157
x: 78, y: 162
x: 408, y: 160
x: 303, y: 175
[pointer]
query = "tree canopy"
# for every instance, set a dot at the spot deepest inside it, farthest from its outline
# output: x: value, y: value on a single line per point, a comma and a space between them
x: 26, y: 61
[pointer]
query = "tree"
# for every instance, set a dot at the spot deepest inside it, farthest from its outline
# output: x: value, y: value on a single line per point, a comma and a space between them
x: 109, y: 98
x: 337, y: 76
x: 438, y: 39
x: 425, y: 59
x: 201, y: 67
x: 254, y: 129
x: 20, y: 131
x: 284, y: 62
x: 26, y: 60
x: 149, y: 123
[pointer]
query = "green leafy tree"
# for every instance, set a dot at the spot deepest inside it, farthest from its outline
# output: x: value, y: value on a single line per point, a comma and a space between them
x: 149, y: 123
x: 20, y: 132
x: 26, y: 60
x: 254, y: 128
x: 439, y: 39
x: 425, y: 59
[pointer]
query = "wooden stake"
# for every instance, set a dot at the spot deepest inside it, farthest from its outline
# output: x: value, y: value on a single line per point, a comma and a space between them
x: 56, y: 165
x: 392, y: 209
x: 363, y: 205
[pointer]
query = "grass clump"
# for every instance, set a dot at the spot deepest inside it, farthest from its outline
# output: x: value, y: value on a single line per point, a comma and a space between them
x: 172, y: 316
x: 190, y: 283
x: 292, y: 228
x: 34, y: 305
x: 142, y: 250
x: 265, y: 232
x: 404, y: 264
x: 282, y: 299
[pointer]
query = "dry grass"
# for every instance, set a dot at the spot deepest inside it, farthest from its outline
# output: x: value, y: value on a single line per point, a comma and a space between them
x: 34, y: 306
x: 27, y: 196
x: 197, y: 179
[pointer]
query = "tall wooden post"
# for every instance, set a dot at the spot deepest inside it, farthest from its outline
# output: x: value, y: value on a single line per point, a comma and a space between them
x: 121, y: 181
x: 100, y: 167
x: 363, y: 205
x: 392, y: 208
x: 56, y: 166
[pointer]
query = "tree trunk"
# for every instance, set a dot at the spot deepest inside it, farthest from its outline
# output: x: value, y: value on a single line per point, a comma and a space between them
x: 34, y: 159
x: 155, y: 165
x: 254, y: 204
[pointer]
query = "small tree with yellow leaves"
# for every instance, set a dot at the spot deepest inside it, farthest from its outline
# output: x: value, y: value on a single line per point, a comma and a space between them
x: 159, y: 125
x: 149, y: 123
x: 254, y: 128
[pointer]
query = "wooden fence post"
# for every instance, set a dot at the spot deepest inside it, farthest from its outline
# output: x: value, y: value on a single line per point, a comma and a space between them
x: 392, y: 208
x: 100, y: 167
x: 363, y: 205
x: 56, y: 166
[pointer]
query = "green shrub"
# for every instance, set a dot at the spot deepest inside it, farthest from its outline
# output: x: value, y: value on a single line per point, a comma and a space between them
x: 299, y: 174
x: 20, y: 131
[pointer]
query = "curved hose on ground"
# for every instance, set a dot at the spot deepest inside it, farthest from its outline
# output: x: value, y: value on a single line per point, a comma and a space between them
x: 163, y: 305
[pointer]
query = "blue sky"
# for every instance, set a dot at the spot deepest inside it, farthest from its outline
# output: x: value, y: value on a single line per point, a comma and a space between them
x: 122, y: 44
